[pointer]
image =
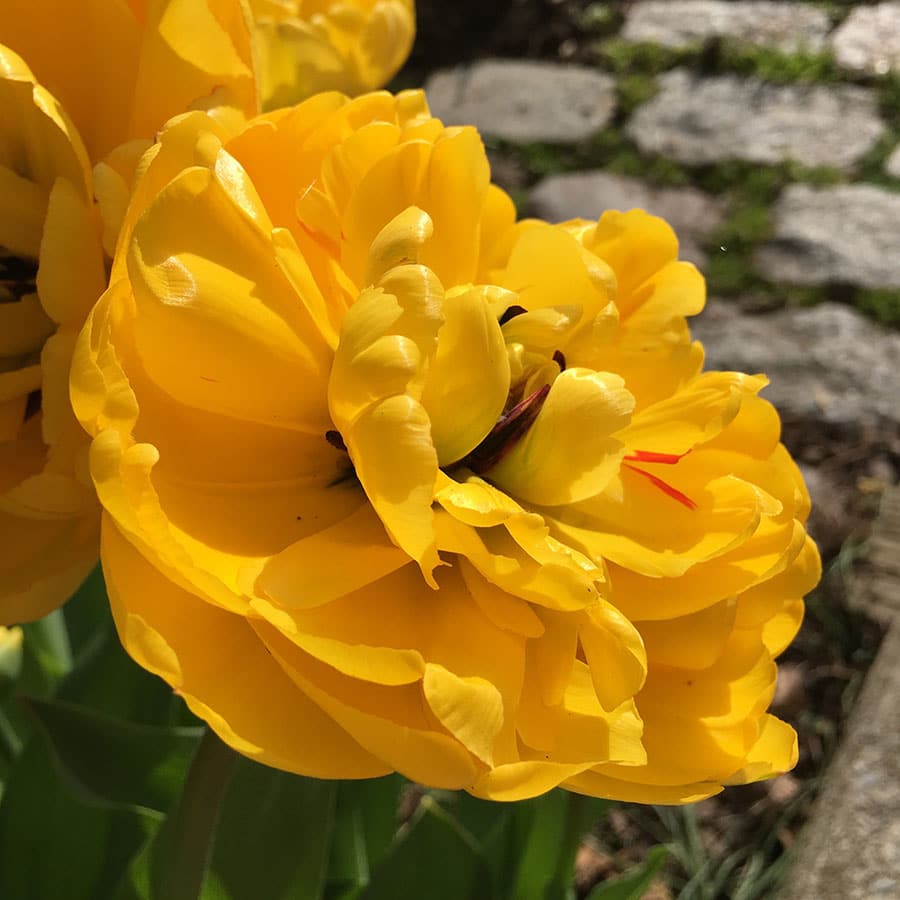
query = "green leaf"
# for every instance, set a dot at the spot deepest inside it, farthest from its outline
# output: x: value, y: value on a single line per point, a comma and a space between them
x: 274, y: 836
x: 87, y: 614
x: 48, y: 640
x: 537, y: 827
x: 434, y: 857
x: 10, y: 657
x: 547, y: 832
x: 365, y: 827
x: 491, y: 825
x: 111, y: 763
x: 52, y: 847
x: 106, y: 678
x: 635, y: 883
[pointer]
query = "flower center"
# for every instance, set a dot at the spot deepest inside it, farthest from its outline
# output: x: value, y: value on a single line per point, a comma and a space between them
x: 18, y: 276
x: 509, y: 430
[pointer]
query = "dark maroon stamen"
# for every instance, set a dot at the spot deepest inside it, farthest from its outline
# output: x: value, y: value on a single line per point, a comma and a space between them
x: 334, y: 438
x: 33, y: 404
x: 18, y: 275
x: 508, y: 431
x: 511, y: 312
x: 560, y: 360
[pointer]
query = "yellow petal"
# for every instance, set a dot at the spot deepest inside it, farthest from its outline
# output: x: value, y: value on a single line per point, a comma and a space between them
x: 771, y: 548
x: 615, y: 653
x: 113, y: 180
x: 471, y: 709
x: 556, y: 583
x: 782, y: 628
x: 774, y: 753
x: 223, y: 676
x: 636, y: 246
x: 579, y: 729
x: 189, y: 48
x: 331, y: 563
x: 800, y: 574
x: 468, y: 381
x: 396, y: 731
x: 388, y: 338
x: 547, y: 267
x: 696, y: 413
x: 739, y: 683
x: 596, y: 784
x: 568, y: 454
x: 640, y: 527
x: 71, y: 276
x: 380, y: 665
x: 503, y: 609
x: 523, y: 780
x: 22, y: 208
x: 34, y: 127
x: 396, y: 463
x: 24, y: 326
x: 694, y: 641
x: 217, y: 325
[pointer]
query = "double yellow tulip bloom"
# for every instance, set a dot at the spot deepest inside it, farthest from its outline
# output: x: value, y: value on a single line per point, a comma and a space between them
x: 394, y: 482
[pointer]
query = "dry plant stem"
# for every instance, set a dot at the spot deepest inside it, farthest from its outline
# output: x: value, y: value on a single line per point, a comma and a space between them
x: 193, y: 824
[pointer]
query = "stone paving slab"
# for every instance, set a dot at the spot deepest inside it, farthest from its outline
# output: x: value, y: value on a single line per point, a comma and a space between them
x: 826, y: 363
x: 880, y: 579
x: 849, y: 234
x: 693, y: 214
x: 789, y: 27
x: 892, y: 165
x: 850, y: 848
x: 705, y: 120
x: 524, y: 101
x: 868, y: 40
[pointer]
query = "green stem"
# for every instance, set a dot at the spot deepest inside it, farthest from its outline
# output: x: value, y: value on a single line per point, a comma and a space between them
x: 581, y: 814
x: 10, y: 743
x: 191, y: 826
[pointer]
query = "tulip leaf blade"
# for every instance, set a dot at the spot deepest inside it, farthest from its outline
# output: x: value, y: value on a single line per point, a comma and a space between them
x: 365, y: 827
x: 53, y: 846
x: 274, y: 836
x: 547, y: 833
x: 434, y: 857
x: 635, y: 883
x: 111, y: 763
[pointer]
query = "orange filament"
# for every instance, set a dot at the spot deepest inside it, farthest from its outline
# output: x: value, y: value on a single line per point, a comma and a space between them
x: 667, y: 459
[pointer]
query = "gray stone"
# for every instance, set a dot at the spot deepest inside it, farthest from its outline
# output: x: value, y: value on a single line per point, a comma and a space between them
x: 826, y: 363
x: 880, y: 579
x: 789, y: 27
x: 850, y: 849
x: 892, y: 166
x: 693, y: 214
x: 703, y: 120
x: 868, y: 40
x: 847, y: 235
x: 524, y: 101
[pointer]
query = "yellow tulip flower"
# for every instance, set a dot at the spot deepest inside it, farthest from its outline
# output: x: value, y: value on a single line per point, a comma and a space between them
x: 83, y: 86
x: 307, y: 46
x: 393, y: 482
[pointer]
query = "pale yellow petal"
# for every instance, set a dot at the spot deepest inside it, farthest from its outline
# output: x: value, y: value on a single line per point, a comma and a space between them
x: 569, y: 453
x: 468, y: 380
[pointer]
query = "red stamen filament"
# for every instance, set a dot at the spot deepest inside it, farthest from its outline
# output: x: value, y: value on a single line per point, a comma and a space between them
x: 648, y: 456
x: 666, y: 459
x: 665, y: 487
